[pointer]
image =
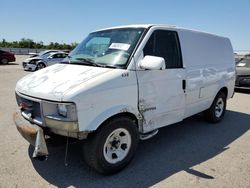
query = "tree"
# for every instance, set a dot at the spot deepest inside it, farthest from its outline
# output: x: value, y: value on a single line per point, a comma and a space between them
x: 26, y: 43
x: 29, y: 43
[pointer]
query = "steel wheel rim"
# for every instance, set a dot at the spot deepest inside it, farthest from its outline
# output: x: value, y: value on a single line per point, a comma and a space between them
x: 117, y: 145
x: 219, y: 107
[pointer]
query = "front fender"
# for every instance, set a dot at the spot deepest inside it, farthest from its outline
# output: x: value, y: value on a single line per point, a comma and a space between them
x: 96, y: 122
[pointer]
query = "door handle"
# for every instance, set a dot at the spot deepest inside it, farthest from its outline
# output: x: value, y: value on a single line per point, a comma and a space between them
x: 184, y: 85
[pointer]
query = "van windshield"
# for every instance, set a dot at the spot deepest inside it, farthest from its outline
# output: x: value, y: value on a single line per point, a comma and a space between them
x: 110, y: 48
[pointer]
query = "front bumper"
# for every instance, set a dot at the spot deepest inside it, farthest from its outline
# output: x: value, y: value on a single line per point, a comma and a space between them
x: 29, y: 67
x: 32, y: 133
x: 242, y: 81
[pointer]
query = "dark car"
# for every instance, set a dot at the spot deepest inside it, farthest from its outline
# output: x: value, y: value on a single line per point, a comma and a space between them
x: 243, y: 73
x: 6, y: 57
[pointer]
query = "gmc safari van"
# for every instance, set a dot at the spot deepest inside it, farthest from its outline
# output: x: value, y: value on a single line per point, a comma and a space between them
x: 120, y: 85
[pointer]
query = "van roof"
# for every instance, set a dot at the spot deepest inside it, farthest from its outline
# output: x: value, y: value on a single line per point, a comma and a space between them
x: 134, y: 26
x: 157, y: 25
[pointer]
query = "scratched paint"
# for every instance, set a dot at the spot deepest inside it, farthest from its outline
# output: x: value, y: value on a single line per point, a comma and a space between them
x: 54, y: 81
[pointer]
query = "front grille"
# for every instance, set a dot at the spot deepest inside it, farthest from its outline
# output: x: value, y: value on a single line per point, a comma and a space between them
x: 243, y: 81
x: 30, y: 106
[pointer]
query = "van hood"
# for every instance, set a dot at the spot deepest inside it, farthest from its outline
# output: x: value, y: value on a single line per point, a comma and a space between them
x: 53, y: 82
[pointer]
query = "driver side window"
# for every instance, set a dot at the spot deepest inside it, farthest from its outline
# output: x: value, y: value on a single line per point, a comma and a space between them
x: 165, y: 44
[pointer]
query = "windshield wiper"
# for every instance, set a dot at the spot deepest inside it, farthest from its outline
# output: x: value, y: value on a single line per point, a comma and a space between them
x: 88, y: 61
x: 92, y: 62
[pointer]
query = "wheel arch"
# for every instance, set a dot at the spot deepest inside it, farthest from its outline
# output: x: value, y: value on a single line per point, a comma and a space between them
x: 223, y: 90
x: 103, y: 118
x: 41, y: 62
x: 121, y: 114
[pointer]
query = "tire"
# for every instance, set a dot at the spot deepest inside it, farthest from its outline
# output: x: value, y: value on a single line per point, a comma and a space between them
x: 4, y: 61
x: 40, y: 66
x: 112, y: 147
x: 217, y: 110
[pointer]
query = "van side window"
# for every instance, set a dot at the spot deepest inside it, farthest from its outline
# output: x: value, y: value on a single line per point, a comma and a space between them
x: 165, y: 44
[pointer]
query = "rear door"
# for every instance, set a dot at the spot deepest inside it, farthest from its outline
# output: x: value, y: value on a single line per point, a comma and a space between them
x: 162, y: 92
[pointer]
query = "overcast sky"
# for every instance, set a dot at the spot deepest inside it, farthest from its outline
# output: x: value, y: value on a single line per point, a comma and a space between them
x: 70, y: 21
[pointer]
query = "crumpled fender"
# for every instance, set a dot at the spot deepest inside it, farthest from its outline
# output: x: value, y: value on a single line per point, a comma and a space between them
x: 94, y: 124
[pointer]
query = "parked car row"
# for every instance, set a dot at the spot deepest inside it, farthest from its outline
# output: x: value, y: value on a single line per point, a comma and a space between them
x: 6, y: 57
x: 44, y: 59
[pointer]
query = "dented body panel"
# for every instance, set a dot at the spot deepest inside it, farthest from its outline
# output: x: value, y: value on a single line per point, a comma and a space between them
x: 161, y: 97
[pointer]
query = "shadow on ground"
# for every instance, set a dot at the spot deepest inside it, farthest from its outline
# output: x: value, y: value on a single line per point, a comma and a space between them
x: 177, y: 147
x: 244, y: 91
x: 10, y: 63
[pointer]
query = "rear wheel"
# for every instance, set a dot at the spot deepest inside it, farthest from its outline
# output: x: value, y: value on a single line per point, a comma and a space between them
x: 217, y: 110
x: 40, y: 66
x: 112, y: 147
x: 4, y: 61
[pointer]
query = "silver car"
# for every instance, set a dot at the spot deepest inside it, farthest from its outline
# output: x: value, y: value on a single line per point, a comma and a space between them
x: 243, y: 73
x: 42, y: 53
x: 39, y: 62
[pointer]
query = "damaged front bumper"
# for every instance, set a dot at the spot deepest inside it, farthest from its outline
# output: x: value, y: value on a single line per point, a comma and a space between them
x: 33, y: 134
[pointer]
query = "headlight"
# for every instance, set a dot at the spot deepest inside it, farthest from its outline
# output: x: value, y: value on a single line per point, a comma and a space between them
x: 60, y: 116
x: 67, y: 110
x: 241, y: 64
x: 62, y: 110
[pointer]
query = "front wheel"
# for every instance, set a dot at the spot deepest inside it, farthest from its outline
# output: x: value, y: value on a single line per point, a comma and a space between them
x: 40, y: 66
x: 217, y: 110
x: 4, y: 61
x: 112, y: 147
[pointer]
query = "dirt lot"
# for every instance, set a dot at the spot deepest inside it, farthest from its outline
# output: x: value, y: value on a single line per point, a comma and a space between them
x: 192, y: 153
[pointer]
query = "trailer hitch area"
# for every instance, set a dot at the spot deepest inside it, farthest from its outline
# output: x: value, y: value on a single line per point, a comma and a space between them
x: 33, y: 134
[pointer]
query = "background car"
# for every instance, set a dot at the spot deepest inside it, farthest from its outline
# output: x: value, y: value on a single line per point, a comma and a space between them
x: 243, y: 73
x: 6, y: 57
x: 39, y: 62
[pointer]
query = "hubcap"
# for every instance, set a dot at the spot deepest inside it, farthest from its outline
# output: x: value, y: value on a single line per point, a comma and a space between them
x: 117, y: 145
x: 219, y: 107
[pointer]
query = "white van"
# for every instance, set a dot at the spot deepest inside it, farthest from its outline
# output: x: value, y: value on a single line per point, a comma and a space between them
x: 122, y: 84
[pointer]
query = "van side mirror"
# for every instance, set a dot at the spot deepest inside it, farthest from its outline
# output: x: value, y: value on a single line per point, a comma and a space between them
x: 152, y: 63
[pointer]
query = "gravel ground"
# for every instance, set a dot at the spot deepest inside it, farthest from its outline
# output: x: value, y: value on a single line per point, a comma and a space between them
x: 192, y: 153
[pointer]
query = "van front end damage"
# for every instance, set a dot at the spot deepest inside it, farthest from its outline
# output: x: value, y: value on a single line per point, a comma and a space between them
x: 33, y: 134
